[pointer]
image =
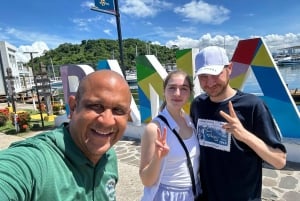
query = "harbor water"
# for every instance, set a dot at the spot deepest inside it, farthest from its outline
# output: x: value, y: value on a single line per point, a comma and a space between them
x: 290, y: 74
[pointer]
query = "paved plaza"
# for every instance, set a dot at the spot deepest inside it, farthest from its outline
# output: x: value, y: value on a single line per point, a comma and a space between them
x: 278, y: 185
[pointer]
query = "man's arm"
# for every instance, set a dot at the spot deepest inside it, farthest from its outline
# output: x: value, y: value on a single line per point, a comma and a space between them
x: 274, y: 156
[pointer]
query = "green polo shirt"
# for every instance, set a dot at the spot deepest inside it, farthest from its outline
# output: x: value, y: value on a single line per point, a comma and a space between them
x: 49, y: 166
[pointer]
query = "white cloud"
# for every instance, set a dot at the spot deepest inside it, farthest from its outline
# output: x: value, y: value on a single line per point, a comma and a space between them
x: 203, y: 12
x: 19, y: 34
x: 204, y: 41
x: 112, y: 21
x: 107, y: 31
x: 143, y: 8
x: 12, y: 34
x: 83, y: 24
x: 39, y: 47
x: 274, y: 42
x: 156, y: 43
x: 183, y: 42
x: 87, y: 4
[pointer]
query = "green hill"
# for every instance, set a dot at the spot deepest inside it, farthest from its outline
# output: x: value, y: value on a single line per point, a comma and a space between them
x: 91, y: 51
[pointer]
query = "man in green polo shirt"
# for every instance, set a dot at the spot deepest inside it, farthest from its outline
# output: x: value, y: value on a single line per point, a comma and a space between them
x: 75, y: 161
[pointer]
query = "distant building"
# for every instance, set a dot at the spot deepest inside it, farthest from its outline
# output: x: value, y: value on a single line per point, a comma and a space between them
x: 23, y: 77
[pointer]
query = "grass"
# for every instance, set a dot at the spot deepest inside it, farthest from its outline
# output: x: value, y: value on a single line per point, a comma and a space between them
x: 35, y: 124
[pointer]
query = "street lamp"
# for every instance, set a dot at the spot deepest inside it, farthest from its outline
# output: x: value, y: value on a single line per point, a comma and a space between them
x: 36, y: 87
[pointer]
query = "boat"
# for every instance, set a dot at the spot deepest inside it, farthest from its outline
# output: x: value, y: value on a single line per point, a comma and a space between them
x: 291, y: 60
x: 281, y: 58
x: 288, y: 56
x: 56, y: 83
x: 131, y: 79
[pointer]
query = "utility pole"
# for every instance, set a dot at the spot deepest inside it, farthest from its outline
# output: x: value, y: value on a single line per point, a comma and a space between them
x: 119, y: 36
x: 116, y: 13
x: 136, y: 50
x: 11, y: 87
x: 54, y: 77
x: 11, y: 91
x: 36, y: 87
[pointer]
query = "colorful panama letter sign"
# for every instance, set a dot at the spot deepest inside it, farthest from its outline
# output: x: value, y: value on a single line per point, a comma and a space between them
x: 114, y: 65
x: 150, y: 76
x: 254, y: 53
x: 71, y: 76
x: 251, y: 53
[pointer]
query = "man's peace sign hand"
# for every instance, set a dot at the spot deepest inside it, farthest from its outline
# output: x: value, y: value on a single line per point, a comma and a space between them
x: 233, y: 124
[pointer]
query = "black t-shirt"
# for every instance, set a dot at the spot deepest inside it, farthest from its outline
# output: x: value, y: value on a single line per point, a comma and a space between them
x: 229, y: 169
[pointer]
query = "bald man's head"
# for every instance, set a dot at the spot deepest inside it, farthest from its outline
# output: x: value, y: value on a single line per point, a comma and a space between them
x: 100, y: 77
x: 99, y: 112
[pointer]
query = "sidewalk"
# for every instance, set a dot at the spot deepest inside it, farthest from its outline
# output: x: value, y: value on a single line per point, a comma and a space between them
x: 278, y: 185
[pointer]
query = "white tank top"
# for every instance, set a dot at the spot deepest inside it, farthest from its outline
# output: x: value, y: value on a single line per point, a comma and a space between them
x: 176, y: 172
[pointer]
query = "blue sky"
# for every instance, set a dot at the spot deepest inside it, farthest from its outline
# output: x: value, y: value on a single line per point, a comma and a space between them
x: 43, y: 25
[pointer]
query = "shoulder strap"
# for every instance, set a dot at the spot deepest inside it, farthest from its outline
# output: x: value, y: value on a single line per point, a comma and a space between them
x: 189, y: 163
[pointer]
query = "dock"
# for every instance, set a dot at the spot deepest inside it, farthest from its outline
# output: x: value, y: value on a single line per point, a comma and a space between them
x: 295, y: 94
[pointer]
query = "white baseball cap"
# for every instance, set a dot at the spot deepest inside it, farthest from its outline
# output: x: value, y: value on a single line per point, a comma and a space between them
x: 211, y: 60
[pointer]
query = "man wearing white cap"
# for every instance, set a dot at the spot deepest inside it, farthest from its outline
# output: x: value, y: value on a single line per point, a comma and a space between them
x: 235, y: 130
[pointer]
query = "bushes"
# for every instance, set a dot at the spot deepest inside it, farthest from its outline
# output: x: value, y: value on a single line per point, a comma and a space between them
x: 3, y: 119
x: 4, y: 116
x: 56, y: 108
x: 23, y: 119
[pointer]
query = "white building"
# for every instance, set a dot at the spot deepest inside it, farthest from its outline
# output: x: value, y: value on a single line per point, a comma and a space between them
x: 23, y: 77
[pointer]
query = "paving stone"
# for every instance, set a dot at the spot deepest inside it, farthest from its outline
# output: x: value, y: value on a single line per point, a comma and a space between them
x: 270, y: 173
x: 269, y: 182
x: 269, y: 194
x: 291, y: 196
x: 288, y: 182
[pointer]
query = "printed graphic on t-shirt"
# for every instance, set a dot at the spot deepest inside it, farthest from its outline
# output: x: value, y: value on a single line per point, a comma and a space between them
x: 211, y: 134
